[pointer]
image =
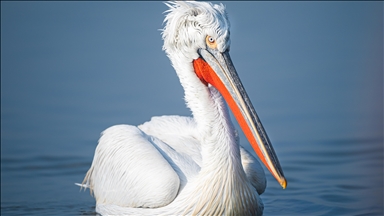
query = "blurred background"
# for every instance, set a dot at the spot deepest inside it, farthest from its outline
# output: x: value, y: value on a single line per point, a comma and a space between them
x: 313, y: 70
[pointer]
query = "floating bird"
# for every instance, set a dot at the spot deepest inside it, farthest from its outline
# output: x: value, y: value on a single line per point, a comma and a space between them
x: 175, y: 165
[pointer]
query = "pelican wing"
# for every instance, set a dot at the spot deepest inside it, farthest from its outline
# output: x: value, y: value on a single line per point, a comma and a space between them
x: 129, y: 169
x: 253, y: 170
x: 179, y: 132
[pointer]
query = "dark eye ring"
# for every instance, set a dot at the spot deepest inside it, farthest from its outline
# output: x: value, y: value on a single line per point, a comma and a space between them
x: 211, y: 40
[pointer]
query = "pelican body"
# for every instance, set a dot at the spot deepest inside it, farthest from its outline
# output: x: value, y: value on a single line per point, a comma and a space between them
x: 175, y: 165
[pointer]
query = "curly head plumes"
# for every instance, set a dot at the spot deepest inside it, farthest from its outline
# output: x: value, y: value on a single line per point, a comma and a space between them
x: 188, y: 24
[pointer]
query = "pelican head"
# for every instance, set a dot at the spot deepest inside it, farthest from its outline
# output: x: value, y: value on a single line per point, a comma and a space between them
x: 198, y: 34
x: 189, y: 24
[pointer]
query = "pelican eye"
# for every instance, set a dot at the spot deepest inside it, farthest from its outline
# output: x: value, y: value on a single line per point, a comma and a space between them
x: 211, y: 42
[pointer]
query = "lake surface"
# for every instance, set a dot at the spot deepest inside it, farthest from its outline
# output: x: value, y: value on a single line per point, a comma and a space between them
x: 313, y: 70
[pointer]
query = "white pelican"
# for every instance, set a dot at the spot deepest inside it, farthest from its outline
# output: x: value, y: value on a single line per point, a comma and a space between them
x: 175, y: 165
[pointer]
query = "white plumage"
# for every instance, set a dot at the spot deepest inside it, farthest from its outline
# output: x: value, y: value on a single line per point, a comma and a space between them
x: 175, y: 165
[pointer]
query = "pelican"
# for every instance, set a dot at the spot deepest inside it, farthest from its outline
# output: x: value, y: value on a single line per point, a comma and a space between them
x: 173, y: 165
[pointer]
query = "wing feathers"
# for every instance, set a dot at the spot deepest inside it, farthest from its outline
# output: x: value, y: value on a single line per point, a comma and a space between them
x: 128, y: 170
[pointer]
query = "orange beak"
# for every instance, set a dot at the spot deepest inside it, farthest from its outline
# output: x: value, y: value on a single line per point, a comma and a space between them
x: 217, y: 69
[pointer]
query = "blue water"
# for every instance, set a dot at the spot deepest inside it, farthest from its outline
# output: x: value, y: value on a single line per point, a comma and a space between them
x: 313, y: 71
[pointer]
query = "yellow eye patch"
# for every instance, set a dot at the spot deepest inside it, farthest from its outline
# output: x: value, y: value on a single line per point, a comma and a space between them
x: 211, y: 42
